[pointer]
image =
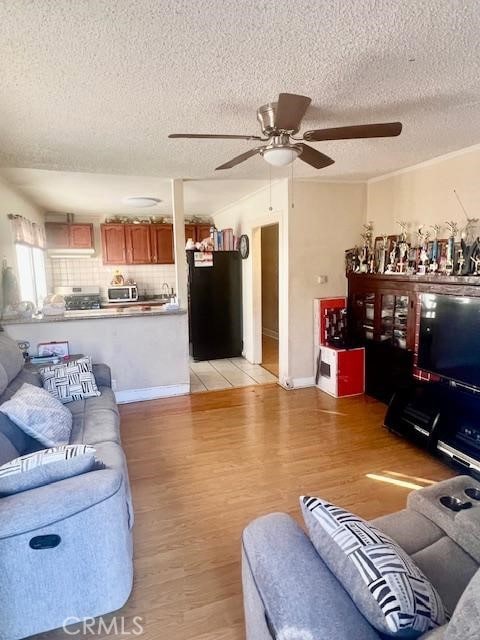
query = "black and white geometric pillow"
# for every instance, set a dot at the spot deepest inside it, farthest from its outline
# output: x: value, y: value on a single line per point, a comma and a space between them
x: 383, y: 581
x: 70, y: 381
x: 46, y: 466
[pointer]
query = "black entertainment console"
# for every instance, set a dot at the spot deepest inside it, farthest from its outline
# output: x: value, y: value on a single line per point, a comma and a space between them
x: 443, y: 417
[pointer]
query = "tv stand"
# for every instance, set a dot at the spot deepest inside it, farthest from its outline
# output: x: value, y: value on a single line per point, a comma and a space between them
x: 442, y: 417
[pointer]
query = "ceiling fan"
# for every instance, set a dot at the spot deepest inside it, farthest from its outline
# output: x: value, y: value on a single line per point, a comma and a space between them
x: 280, y: 121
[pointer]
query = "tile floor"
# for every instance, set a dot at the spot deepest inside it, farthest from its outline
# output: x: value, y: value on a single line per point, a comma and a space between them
x: 212, y: 375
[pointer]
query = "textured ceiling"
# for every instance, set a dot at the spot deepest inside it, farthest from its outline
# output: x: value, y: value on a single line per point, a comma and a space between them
x: 96, y: 86
x: 103, y: 194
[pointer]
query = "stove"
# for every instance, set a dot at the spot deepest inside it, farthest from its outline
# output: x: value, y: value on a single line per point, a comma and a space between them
x: 80, y: 298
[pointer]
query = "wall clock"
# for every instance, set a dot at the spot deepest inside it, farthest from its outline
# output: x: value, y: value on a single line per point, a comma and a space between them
x: 244, y: 246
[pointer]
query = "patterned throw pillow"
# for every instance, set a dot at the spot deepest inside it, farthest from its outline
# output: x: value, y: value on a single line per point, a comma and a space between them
x: 40, y: 415
x: 71, y: 380
x: 382, y: 580
x: 46, y: 466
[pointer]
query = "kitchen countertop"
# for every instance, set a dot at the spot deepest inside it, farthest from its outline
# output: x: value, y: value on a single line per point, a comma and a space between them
x: 94, y: 314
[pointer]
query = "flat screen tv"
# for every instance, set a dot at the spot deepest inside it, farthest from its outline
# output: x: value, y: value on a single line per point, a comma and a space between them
x: 449, y: 343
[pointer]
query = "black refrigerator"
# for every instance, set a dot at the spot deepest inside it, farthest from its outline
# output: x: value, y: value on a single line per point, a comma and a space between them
x: 215, y: 304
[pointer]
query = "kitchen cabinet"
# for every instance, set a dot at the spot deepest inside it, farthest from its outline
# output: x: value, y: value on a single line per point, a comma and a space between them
x: 162, y: 243
x: 81, y: 236
x: 191, y: 232
x: 203, y: 231
x: 62, y: 235
x: 138, y: 243
x: 114, y: 244
x: 197, y: 232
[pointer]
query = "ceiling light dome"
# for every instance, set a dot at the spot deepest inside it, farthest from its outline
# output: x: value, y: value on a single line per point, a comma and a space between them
x: 281, y: 156
x: 141, y: 202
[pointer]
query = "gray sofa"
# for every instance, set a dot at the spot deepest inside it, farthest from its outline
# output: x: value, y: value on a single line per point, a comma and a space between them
x: 90, y: 572
x: 290, y: 594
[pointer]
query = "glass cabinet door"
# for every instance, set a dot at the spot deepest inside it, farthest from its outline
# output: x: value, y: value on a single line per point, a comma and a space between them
x: 394, y: 319
x: 364, y: 315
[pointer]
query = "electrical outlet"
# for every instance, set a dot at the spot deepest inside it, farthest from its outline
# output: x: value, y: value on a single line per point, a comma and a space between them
x: 322, y: 279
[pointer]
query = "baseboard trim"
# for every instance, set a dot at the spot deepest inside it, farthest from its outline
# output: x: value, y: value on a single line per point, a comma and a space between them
x: 270, y: 333
x: 151, y: 393
x: 301, y: 383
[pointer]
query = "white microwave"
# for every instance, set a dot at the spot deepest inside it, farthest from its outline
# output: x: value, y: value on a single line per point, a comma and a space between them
x: 123, y: 293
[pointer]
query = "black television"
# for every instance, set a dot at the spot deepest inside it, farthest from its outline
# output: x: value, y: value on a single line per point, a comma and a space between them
x: 449, y: 339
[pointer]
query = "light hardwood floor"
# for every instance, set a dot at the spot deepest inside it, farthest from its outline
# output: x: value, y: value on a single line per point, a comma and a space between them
x: 270, y: 354
x: 203, y: 466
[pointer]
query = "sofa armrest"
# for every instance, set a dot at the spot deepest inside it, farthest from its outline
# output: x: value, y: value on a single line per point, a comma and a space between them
x: 103, y: 375
x: 30, y: 510
x: 301, y: 598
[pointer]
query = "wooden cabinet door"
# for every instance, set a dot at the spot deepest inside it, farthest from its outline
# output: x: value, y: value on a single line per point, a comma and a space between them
x: 191, y: 232
x: 163, y: 244
x: 139, y: 244
x: 203, y: 231
x: 58, y: 236
x: 113, y: 244
x: 81, y: 236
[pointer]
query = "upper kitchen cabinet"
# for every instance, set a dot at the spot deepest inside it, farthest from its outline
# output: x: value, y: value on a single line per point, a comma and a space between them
x: 138, y: 243
x: 69, y: 236
x: 114, y: 244
x: 203, y: 231
x: 162, y: 243
x: 197, y: 232
x: 191, y: 232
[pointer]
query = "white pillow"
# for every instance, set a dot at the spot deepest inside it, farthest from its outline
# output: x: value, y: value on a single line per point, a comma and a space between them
x: 70, y: 381
x: 46, y: 466
x: 40, y: 415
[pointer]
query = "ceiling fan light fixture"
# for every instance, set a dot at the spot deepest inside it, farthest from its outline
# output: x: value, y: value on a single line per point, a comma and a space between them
x: 281, y: 156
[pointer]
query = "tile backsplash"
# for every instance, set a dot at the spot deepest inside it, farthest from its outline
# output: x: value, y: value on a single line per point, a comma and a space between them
x: 67, y: 272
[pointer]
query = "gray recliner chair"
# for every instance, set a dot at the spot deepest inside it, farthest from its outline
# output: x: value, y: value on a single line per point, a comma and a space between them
x: 290, y: 593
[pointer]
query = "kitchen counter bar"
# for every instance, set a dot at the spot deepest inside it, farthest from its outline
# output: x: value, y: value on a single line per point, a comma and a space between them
x: 95, y: 314
x: 146, y: 350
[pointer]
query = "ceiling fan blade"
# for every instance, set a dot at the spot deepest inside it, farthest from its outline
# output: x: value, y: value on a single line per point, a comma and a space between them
x: 290, y: 111
x: 238, y: 159
x: 314, y: 158
x: 382, y: 130
x: 213, y: 135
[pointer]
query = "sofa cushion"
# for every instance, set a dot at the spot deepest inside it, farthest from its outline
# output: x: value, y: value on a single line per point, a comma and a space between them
x: 382, y: 580
x: 26, y: 375
x: 46, y: 466
x: 465, y: 622
x: 40, y: 415
x: 11, y: 360
x: 18, y: 438
x: 70, y: 381
x: 7, y: 450
x: 399, y: 526
x: 95, y: 420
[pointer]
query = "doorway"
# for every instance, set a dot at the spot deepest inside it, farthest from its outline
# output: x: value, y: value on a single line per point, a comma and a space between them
x: 269, y: 283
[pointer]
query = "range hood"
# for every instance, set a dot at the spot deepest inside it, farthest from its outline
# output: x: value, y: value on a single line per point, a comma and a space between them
x: 70, y: 253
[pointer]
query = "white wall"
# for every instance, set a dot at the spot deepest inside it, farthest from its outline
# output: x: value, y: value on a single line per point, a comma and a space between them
x: 423, y: 194
x: 247, y: 216
x: 326, y: 219
x: 13, y: 202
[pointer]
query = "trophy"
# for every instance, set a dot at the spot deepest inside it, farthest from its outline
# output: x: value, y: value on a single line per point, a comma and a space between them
x: 366, y: 256
x: 423, y: 236
x: 453, y: 228
x: 402, y: 246
x: 434, y: 260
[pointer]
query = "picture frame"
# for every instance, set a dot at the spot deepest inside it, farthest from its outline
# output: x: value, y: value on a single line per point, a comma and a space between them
x: 53, y: 349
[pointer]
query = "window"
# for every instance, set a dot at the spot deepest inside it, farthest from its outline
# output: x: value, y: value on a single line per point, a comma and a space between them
x: 31, y: 274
